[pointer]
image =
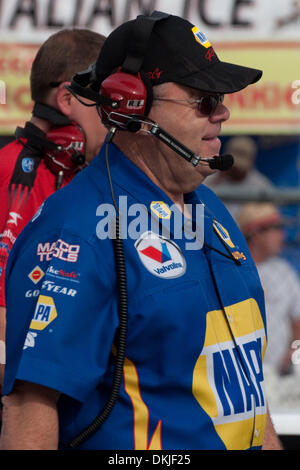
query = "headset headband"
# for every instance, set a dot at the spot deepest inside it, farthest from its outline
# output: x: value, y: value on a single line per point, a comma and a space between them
x: 86, y: 84
x: 30, y: 132
x: 139, y: 41
x: 51, y: 114
x: 80, y: 86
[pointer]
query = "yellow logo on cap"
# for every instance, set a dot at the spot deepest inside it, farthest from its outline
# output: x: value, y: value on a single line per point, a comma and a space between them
x: 200, y: 37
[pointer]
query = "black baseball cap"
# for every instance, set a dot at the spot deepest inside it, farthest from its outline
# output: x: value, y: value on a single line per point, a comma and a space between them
x: 175, y: 51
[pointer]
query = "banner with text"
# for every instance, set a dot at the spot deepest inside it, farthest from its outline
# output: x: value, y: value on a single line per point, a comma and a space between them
x: 272, y: 106
x: 32, y: 21
x: 15, y: 101
x: 259, y: 33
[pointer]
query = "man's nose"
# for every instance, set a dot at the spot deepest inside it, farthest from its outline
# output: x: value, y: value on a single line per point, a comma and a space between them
x: 220, y: 114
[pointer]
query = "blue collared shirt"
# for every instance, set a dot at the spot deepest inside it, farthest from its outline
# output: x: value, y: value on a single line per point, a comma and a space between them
x: 196, y: 323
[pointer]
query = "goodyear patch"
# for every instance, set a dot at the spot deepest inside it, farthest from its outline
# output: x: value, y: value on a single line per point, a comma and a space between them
x: 45, y: 312
x: 201, y: 38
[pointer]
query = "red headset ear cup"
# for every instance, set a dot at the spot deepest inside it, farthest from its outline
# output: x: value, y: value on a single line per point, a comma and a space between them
x: 132, y: 92
x: 68, y: 150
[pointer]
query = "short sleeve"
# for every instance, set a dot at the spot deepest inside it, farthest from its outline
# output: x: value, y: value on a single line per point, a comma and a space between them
x: 63, y: 314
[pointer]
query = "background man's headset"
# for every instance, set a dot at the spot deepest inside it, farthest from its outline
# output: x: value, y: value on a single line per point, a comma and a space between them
x: 123, y: 103
x: 63, y: 146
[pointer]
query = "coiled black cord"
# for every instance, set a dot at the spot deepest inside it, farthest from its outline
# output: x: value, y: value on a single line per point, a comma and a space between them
x: 122, y: 330
x: 123, y: 317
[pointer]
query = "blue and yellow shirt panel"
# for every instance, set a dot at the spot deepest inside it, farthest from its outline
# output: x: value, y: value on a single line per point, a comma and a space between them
x: 196, y: 324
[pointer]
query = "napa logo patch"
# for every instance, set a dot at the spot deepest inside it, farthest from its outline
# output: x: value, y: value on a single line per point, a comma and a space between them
x: 228, y: 381
x: 161, y: 257
x: 45, y: 312
x: 161, y: 209
x: 200, y: 37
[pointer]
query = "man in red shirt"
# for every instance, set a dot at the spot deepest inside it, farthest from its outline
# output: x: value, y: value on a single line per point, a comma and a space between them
x: 31, y: 169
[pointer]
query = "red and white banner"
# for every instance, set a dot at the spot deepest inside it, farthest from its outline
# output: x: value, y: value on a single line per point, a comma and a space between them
x: 263, y: 34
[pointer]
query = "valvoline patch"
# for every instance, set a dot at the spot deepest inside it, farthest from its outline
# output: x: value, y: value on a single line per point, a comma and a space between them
x: 161, y: 257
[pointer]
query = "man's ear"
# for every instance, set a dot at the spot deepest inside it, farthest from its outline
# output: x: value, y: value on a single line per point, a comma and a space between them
x: 63, y: 99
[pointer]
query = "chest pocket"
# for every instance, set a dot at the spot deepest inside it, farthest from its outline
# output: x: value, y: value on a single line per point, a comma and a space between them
x: 167, y: 319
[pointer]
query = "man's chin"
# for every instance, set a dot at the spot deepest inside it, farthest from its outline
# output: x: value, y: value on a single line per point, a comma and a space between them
x: 205, y: 170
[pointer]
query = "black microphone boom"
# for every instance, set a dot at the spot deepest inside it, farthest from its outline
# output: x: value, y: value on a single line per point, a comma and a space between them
x: 133, y: 124
x: 221, y: 162
x: 174, y: 144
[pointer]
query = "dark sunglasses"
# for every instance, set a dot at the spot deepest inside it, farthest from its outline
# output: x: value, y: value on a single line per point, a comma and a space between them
x: 207, y: 104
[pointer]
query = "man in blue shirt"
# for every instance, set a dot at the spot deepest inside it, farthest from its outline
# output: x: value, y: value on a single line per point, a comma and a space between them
x: 135, y: 276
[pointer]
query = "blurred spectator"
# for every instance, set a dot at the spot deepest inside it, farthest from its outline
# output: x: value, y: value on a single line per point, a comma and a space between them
x: 243, y: 175
x: 262, y: 226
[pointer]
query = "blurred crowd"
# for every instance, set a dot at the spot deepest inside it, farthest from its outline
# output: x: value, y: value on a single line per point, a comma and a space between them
x: 264, y: 227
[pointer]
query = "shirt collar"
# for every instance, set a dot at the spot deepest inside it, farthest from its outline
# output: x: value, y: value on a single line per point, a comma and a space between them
x: 127, y: 177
